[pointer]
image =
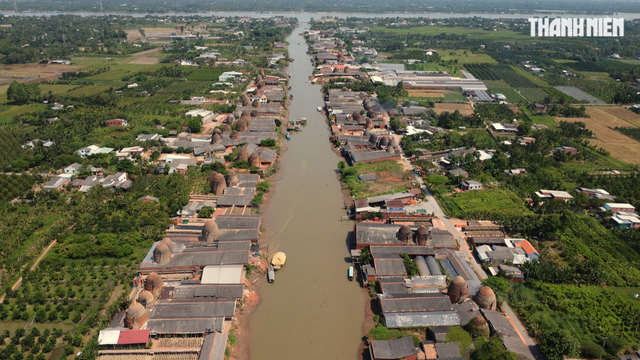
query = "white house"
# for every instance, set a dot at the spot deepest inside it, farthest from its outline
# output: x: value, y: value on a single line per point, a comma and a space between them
x: 470, y: 185
x: 132, y: 86
x: 145, y: 137
x: 86, y: 151
x: 115, y: 180
x: 206, y: 115
x: 72, y: 169
x: 229, y: 75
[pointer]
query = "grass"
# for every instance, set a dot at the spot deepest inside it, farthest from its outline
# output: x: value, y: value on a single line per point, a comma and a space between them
x: 19, y: 110
x: 484, y: 203
x: 469, y: 31
x: 468, y: 58
x: 543, y: 119
x: 55, y: 89
x: 496, y: 84
x: 89, y: 90
x: 511, y: 94
x: 600, y: 76
x: 529, y: 76
x: 430, y: 66
x: 533, y: 94
x: 459, y: 335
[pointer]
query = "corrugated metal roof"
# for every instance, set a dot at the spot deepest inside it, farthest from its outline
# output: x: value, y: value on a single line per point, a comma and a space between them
x: 421, y: 319
x: 448, y: 350
x: 222, y: 274
x: 401, y: 303
x: 213, y: 347
x: 389, y: 267
x: 393, y: 349
x: 108, y: 337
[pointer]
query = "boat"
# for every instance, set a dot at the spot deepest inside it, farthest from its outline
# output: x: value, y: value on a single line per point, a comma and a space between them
x: 350, y: 273
x: 271, y: 274
x: 287, y: 136
x: 278, y: 260
x: 319, y: 108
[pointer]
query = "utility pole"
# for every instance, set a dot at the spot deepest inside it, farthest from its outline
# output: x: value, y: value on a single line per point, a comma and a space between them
x: 604, y: 340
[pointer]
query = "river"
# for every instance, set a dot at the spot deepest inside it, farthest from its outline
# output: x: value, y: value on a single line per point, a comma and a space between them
x: 304, y: 17
x: 312, y: 310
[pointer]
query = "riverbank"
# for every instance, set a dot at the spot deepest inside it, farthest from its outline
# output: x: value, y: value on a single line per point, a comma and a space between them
x: 251, y: 297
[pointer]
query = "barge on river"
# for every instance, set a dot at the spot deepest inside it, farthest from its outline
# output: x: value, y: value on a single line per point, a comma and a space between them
x: 271, y: 274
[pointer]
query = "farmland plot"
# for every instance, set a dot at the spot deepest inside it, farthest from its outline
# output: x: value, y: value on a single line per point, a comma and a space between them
x: 602, y: 124
x: 579, y: 94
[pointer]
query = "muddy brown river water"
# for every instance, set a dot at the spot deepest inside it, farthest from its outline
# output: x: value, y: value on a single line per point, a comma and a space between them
x: 312, y: 310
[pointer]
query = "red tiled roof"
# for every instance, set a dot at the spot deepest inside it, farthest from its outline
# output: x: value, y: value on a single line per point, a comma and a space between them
x: 128, y: 337
x: 527, y: 247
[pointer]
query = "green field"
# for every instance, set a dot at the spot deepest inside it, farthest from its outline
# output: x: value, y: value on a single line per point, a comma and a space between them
x: 432, y: 66
x: 480, y: 204
x: 89, y: 90
x: 55, y: 89
x: 511, y: 94
x: 543, y: 119
x: 533, y: 94
x: 496, y: 84
x: 466, y: 57
x: 469, y: 31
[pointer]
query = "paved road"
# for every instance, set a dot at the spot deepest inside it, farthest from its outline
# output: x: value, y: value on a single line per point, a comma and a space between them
x: 432, y: 206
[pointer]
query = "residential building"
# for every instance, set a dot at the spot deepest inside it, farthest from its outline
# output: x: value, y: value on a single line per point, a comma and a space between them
x: 145, y: 137
x: 129, y: 152
x: 626, y: 220
x: 619, y: 207
x: 206, y: 115
x: 530, y: 251
x: 117, y: 180
x: 458, y: 172
x: 505, y: 128
x: 470, y: 185
x: 89, y: 150
x: 117, y: 122
x: 596, y: 193
x: 229, y: 75
x: 554, y: 195
x: 519, y: 171
x: 567, y: 149
x: 72, y: 169
x: 57, y: 183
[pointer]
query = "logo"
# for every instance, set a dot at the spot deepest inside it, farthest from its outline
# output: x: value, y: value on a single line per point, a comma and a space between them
x: 577, y: 27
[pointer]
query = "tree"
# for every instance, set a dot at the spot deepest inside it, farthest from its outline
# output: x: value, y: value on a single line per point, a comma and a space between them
x: 269, y: 142
x: 365, y: 256
x: 125, y: 165
x: 492, y: 350
x: 205, y: 212
x: 195, y: 125
x: 17, y: 93
x: 409, y: 265
x: 557, y: 343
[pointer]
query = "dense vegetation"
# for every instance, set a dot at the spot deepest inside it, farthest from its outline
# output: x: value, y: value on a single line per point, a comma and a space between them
x: 631, y: 132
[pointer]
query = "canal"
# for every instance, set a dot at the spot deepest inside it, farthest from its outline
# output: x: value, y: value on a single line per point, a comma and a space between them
x: 312, y: 310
